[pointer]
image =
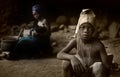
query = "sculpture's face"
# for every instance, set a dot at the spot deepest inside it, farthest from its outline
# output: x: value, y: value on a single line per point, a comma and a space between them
x: 86, y: 31
x: 36, y: 15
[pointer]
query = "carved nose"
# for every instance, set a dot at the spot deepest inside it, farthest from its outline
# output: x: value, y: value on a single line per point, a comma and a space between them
x: 85, y: 30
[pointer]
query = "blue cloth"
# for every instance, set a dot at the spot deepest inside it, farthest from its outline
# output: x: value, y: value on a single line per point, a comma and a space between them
x: 36, y: 8
x: 26, y: 47
x: 30, y: 46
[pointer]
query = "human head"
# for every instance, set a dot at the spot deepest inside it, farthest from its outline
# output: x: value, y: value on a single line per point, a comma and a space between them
x: 36, y: 11
x: 86, y: 24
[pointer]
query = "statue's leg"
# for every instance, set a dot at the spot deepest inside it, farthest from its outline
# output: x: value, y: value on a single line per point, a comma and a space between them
x: 98, y: 70
x: 67, y: 69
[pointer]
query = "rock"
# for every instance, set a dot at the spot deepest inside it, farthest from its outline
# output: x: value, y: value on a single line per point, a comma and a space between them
x: 72, y: 27
x: 61, y: 20
x: 54, y: 26
x: 104, y: 35
x: 73, y: 20
x: 101, y: 23
x: 4, y: 55
x: 54, y: 44
x: 113, y: 30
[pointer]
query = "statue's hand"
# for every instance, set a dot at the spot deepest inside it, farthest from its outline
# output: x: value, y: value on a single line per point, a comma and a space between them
x: 77, y: 66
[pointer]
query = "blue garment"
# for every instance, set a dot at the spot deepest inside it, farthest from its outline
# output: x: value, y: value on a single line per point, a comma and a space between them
x: 27, y: 41
x: 30, y: 46
x: 33, y: 45
x: 36, y: 8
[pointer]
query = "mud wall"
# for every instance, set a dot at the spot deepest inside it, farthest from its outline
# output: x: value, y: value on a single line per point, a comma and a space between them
x: 17, y: 12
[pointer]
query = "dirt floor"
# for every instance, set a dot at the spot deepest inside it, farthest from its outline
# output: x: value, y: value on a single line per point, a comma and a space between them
x: 51, y: 67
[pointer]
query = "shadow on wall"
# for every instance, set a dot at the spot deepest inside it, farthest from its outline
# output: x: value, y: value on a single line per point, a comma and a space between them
x: 107, y: 28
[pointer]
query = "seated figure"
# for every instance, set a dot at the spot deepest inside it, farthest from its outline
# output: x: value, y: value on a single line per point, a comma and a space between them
x: 37, y: 44
x: 91, y: 59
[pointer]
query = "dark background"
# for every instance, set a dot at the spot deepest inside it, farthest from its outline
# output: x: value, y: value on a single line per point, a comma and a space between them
x: 16, y: 12
x: 21, y: 9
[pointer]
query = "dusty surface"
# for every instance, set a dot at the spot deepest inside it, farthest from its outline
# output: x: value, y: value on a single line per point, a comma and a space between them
x: 31, y: 68
x: 51, y: 67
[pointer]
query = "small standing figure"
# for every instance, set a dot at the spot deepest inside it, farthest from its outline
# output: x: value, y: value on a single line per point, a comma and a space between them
x: 91, y: 57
